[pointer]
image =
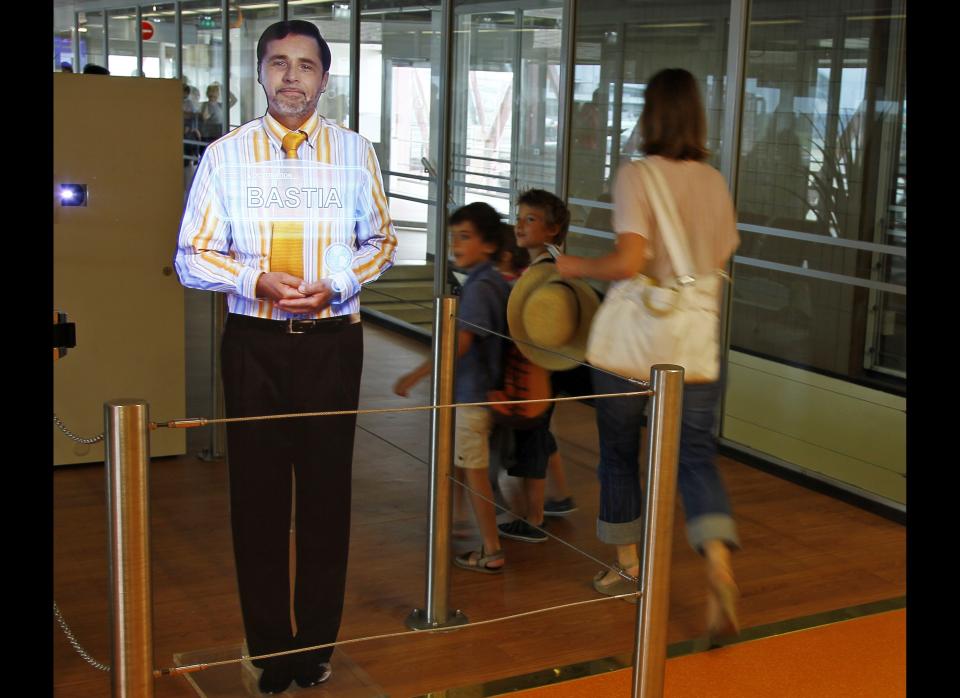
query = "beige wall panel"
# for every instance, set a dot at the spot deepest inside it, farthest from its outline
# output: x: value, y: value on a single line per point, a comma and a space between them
x: 113, y: 258
x: 814, y: 460
x: 847, y: 432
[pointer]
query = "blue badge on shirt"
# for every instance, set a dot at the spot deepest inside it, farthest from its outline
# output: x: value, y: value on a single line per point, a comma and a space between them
x: 337, y: 257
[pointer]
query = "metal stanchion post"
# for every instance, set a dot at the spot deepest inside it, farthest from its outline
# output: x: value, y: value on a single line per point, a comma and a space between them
x: 435, y: 613
x: 663, y: 428
x: 128, y: 528
x: 218, y: 433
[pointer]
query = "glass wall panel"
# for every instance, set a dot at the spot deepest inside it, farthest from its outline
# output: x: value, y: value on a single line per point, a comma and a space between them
x: 160, y: 41
x: 821, y: 274
x: 63, y: 37
x: 203, y: 63
x: 616, y: 53
x: 333, y: 21
x: 505, y: 137
x: 817, y: 357
x: 91, y: 39
x: 122, y: 42
x: 247, y: 22
x: 400, y: 73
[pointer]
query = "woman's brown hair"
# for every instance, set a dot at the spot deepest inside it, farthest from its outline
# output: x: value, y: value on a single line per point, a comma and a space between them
x: 673, y: 123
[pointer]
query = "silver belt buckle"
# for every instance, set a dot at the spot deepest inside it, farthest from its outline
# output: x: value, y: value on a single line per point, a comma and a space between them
x: 290, y: 327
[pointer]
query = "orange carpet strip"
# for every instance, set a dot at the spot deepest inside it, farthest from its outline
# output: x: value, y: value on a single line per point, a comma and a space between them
x: 860, y: 658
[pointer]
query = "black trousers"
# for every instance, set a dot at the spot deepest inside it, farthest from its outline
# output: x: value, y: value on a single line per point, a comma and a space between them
x: 268, y: 372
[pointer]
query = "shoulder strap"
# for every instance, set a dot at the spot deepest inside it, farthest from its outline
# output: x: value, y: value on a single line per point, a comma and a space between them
x: 665, y: 210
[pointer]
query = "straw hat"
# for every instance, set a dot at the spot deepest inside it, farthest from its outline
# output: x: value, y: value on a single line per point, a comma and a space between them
x: 553, y: 313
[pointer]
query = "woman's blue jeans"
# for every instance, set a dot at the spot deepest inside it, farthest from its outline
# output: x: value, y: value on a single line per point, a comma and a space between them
x: 704, y: 497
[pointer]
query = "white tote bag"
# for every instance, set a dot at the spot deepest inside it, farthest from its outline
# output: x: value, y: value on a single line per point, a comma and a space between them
x: 642, y: 323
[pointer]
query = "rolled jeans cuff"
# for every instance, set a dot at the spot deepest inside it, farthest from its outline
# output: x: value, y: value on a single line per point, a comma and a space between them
x: 712, y: 526
x: 620, y: 533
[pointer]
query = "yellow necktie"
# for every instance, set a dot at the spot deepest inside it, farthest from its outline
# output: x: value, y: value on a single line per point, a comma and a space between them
x: 286, y: 252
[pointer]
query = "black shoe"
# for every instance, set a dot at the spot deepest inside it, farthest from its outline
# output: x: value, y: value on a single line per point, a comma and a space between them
x: 312, y: 673
x: 518, y: 529
x: 559, y: 507
x: 275, y: 678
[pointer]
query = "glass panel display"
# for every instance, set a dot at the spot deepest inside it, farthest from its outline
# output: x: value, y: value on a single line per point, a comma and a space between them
x: 821, y: 271
x: 247, y: 22
x: 91, y: 38
x: 159, y: 29
x: 122, y: 42
x: 616, y: 53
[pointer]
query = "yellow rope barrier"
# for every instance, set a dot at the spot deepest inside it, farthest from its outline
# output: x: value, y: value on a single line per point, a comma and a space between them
x: 203, y: 421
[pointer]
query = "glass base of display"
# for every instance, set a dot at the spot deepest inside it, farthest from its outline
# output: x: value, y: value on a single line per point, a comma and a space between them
x: 233, y: 680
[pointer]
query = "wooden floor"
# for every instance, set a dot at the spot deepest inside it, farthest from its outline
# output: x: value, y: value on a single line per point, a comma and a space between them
x: 803, y: 553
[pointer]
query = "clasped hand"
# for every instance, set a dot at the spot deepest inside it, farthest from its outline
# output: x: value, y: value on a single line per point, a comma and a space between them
x: 293, y: 294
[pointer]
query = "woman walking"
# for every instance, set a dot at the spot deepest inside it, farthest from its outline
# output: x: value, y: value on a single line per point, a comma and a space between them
x: 673, y: 129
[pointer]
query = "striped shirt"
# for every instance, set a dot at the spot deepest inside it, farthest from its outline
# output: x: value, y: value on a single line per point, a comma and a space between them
x: 218, y: 250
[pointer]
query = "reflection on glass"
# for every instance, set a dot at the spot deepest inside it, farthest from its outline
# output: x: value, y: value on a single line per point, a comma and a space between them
x: 506, y: 115
x: 614, y: 59
x: 63, y: 44
x: 159, y: 41
x: 122, y: 42
x: 399, y: 71
x: 247, y: 23
x: 91, y: 35
x: 822, y: 165
x: 203, y: 64
x: 333, y: 21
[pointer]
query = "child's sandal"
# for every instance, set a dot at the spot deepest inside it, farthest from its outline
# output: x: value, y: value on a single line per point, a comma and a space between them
x: 479, y: 561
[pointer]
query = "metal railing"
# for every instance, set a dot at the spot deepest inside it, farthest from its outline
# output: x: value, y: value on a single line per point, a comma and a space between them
x: 127, y: 460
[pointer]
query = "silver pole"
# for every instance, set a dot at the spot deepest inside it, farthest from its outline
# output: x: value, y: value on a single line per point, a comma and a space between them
x: 650, y: 648
x: 738, y: 42
x: 225, y: 90
x: 128, y: 530
x: 354, y: 117
x: 440, y: 264
x: 106, y: 39
x: 568, y: 72
x: 179, y: 30
x: 516, y: 113
x: 77, y: 68
x: 436, y: 613
x: 139, y: 21
x: 218, y: 433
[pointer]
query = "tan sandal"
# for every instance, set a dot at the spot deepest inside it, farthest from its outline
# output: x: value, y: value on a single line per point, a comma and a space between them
x: 479, y: 561
x: 618, y: 586
x: 722, y: 602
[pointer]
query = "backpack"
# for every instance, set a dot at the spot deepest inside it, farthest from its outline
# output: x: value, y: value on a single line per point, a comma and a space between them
x: 521, y: 379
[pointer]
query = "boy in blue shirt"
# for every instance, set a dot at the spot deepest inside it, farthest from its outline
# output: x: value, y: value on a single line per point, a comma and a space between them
x: 476, y: 242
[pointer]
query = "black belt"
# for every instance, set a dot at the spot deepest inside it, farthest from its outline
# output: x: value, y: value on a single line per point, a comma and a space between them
x: 293, y: 326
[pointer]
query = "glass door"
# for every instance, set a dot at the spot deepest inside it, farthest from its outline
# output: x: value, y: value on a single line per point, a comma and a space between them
x: 506, y: 108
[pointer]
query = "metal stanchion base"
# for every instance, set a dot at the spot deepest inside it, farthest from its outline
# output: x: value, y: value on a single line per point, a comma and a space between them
x: 236, y: 680
x: 208, y: 456
x: 417, y: 620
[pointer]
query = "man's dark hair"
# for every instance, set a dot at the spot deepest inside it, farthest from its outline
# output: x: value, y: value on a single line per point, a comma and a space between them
x: 554, y: 210
x: 280, y: 30
x: 485, y: 220
x: 94, y: 69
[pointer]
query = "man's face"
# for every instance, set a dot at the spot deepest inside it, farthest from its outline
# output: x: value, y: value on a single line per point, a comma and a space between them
x: 292, y: 76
